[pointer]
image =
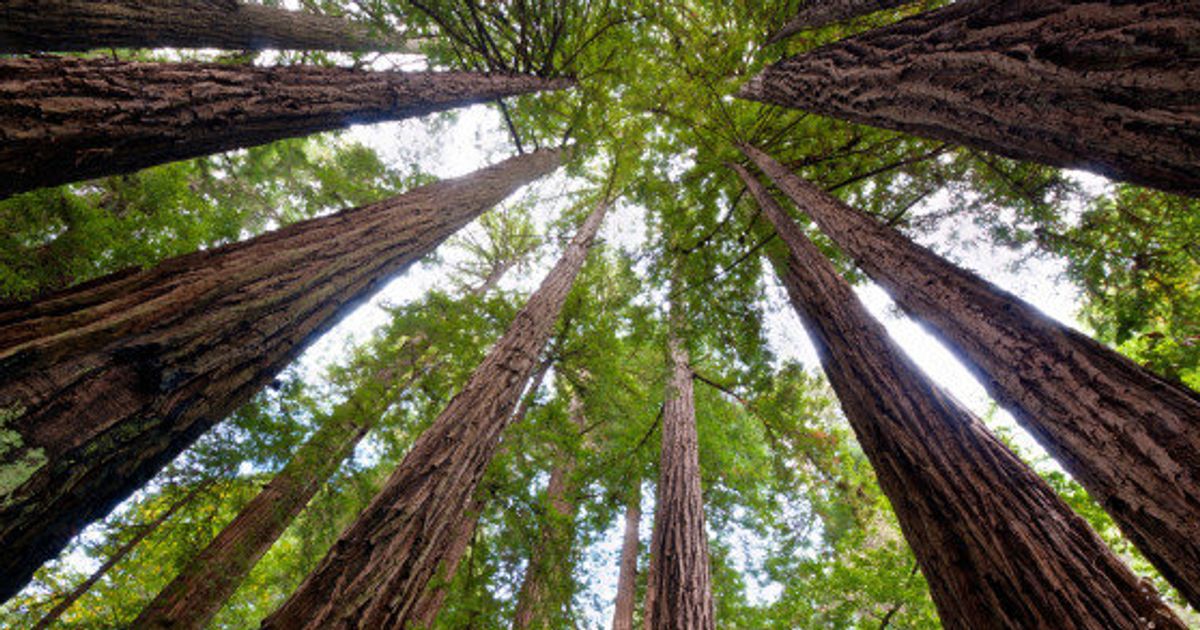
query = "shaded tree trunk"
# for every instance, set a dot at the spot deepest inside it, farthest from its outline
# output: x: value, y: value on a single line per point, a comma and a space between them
x: 815, y: 14
x: 549, y: 562
x: 376, y: 572
x: 679, y: 590
x: 102, y: 384
x: 998, y: 546
x: 76, y: 25
x: 66, y: 119
x: 1112, y: 87
x: 627, y: 578
x: 117, y: 556
x: 1130, y: 437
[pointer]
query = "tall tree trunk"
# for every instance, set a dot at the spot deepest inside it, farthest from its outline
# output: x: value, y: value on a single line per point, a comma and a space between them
x: 375, y: 574
x: 679, y: 591
x: 102, y: 384
x: 815, y: 14
x: 627, y: 578
x: 143, y: 532
x: 1112, y: 87
x: 1131, y: 438
x: 67, y: 25
x: 548, y: 563
x: 65, y: 119
x: 998, y: 546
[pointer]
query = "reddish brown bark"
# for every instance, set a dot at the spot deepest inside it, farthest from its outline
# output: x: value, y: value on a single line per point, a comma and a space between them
x: 102, y: 384
x: 1108, y: 86
x: 375, y: 574
x: 815, y: 14
x: 68, y: 119
x: 679, y: 589
x: 549, y: 562
x: 124, y: 550
x: 627, y: 578
x: 997, y: 545
x: 70, y: 25
x: 1131, y: 438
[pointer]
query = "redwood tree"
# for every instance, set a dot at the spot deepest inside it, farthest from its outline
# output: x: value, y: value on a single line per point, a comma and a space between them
x: 818, y: 13
x: 679, y: 588
x: 66, y: 25
x: 1130, y: 437
x: 997, y: 545
x: 102, y: 384
x: 1108, y: 86
x: 627, y: 577
x: 375, y: 574
x: 65, y: 119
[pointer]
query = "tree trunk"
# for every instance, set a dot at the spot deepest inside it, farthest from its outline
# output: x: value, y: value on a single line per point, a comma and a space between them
x: 66, y: 119
x: 1112, y: 87
x: 678, y: 591
x: 627, y: 579
x: 1131, y: 438
x: 77, y: 25
x: 118, y: 556
x: 549, y: 562
x: 999, y: 548
x: 102, y: 384
x: 375, y: 574
x: 815, y: 14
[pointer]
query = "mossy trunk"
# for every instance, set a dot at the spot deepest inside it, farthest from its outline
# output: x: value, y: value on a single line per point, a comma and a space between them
x: 78, y: 25
x: 1130, y: 437
x: 1108, y: 86
x: 103, y: 384
x: 65, y: 119
x: 376, y: 573
x: 679, y: 586
x: 999, y: 548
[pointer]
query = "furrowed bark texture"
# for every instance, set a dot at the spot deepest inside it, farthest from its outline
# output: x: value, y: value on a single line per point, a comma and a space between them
x: 1108, y: 86
x: 103, y: 384
x: 627, y: 578
x: 65, y: 119
x: 999, y: 548
x: 549, y: 562
x: 679, y: 590
x: 377, y: 571
x: 815, y: 14
x: 76, y: 25
x: 1131, y: 438
x: 117, y: 556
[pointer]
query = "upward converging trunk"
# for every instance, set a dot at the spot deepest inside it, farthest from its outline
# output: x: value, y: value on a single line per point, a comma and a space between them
x: 377, y: 571
x: 1108, y: 86
x: 627, y: 577
x: 999, y: 548
x: 549, y: 562
x: 65, y: 25
x: 818, y: 13
x: 65, y: 119
x: 101, y: 385
x: 678, y: 588
x: 1131, y: 438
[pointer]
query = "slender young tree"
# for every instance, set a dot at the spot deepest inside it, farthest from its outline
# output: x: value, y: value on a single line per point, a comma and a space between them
x: 1132, y: 439
x: 76, y: 25
x: 627, y: 578
x: 679, y: 588
x: 547, y: 562
x: 117, y: 556
x: 102, y: 384
x: 375, y: 574
x: 815, y: 14
x: 997, y: 545
x: 65, y: 119
x: 1106, y: 86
